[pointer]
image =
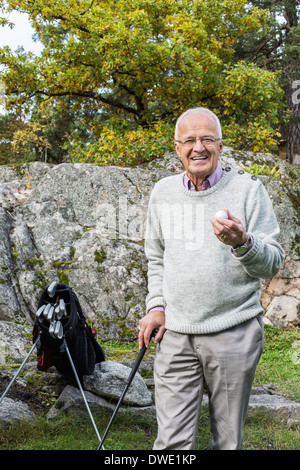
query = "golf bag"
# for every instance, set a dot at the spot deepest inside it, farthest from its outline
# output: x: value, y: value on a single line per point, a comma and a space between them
x: 60, y: 321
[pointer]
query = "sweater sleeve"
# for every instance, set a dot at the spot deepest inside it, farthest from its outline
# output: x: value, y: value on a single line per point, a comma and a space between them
x: 154, y: 250
x: 266, y: 256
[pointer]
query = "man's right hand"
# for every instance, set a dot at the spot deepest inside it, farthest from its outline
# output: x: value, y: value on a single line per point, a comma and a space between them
x: 154, y: 320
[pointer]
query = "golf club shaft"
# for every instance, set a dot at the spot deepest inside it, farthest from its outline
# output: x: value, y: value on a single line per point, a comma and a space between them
x: 19, y: 370
x: 130, y: 378
x: 82, y: 392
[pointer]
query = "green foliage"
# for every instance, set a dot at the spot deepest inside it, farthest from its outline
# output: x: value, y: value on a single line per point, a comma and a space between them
x: 245, y: 95
x: 277, y: 48
x: 279, y: 363
x: 266, y: 170
x: 138, y: 64
x: 100, y: 256
x: 124, y: 147
x: 10, y: 124
x: 63, y: 277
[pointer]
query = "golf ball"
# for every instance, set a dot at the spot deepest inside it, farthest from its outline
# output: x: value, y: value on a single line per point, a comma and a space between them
x: 221, y: 215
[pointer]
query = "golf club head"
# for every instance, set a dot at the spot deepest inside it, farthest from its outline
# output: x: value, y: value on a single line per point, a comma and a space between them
x: 39, y: 314
x: 46, y: 310
x: 52, y: 288
x: 58, y: 331
x: 58, y: 313
x: 52, y: 329
x: 60, y: 310
x: 62, y: 307
x: 50, y: 315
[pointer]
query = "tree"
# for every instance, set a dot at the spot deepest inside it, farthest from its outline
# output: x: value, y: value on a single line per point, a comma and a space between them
x: 277, y: 49
x: 146, y: 61
x: 9, y: 125
x: 292, y: 78
x: 44, y: 136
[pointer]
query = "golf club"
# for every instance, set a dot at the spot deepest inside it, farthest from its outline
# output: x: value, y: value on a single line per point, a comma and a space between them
x: 60, y: 310
x: 39, y: 314
x: 58, y: 330
x: 130, y: 378
x: 46, y: 310
x: 50, y: 315
x: 51, y: 289
x: 52, y: 329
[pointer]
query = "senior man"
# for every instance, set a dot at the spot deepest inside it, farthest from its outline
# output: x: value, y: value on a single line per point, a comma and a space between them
x: 204, y: 280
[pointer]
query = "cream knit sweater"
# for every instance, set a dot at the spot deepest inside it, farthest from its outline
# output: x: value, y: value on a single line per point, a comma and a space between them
x: 202, y: 285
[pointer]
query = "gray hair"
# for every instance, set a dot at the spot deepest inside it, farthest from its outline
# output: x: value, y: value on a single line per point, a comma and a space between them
x: 199, y: 111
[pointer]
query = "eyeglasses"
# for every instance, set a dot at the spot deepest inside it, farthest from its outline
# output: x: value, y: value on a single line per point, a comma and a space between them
x: 191, y: 142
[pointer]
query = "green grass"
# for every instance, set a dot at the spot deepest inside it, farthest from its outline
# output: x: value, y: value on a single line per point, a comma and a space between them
x: 280, y: 362
x: 71, y: 433
x: 261, y: 432
x: 279, y: 366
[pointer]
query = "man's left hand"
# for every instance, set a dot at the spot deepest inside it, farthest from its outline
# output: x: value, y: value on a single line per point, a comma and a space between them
x: 229, y: 231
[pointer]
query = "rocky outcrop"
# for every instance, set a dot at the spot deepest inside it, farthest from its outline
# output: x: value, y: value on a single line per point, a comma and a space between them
x: 102, y: 391
x: 262, y: 398
x: 84, y: 225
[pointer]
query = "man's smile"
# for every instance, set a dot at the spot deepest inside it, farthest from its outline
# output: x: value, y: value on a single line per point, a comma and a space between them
x: 195, y: 159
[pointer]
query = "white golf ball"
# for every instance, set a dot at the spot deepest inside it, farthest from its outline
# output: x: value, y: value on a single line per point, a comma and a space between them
x: 221, y: 215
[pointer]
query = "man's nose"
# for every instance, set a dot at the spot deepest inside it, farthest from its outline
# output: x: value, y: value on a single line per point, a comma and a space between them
x: 198, y: 145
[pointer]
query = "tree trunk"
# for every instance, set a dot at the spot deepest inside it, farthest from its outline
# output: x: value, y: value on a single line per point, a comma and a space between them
x: 292, y: 69
x: 293, y: 131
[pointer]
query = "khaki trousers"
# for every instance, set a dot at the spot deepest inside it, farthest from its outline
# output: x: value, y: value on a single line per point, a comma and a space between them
x: 226, y: 361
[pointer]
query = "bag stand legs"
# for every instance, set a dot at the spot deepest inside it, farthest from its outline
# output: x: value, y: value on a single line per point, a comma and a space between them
x: 82, y: 392
x: 65, y: 346
x: 19, y: 370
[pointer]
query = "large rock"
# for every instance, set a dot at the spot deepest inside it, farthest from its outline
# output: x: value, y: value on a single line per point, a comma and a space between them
x: 12, y: 342
x: 84, y: 225
x: 282, y: 311
x: 266, y: 399
x: 109, y: 380
x: 14, y: 411
x: 70, y: 402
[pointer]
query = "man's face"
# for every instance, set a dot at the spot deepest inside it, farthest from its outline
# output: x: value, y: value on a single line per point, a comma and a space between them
x: 198, y: 161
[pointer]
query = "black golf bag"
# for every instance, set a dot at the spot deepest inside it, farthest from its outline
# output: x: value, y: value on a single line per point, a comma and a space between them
x: 63, y: 339
x: 74, y: 331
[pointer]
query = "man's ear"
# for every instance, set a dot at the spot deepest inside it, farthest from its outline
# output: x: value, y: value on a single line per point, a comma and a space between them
x: 177, y: 149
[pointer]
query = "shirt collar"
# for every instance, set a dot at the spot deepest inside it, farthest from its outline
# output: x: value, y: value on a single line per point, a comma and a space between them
x: 210, y: 181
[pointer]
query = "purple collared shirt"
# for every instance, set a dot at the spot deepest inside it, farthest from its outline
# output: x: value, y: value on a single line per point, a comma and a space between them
x: 210, y: 181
